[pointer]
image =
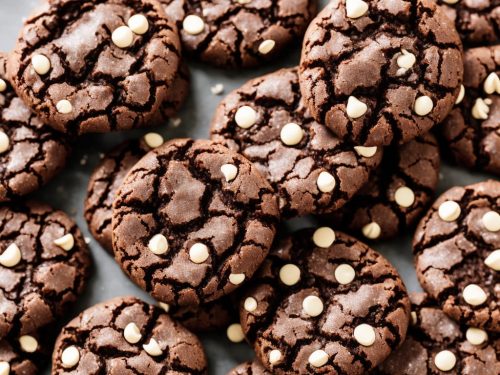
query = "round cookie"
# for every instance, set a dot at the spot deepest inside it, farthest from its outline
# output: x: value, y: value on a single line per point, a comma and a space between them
x: 126, y: 335
x: 95, y: 67
x: 324, y: 302
x: 312, y: 171
x: 457, y: 257
x: 24, y: 355
x: 249, y: 368
x: 30, y: 153
x: 396, y: 195
x: 44, y: 266
x: 471, y: 133
x: 239, y: 33
x: 436, y: 344
x: 378, y: 72
x: 192, y: 221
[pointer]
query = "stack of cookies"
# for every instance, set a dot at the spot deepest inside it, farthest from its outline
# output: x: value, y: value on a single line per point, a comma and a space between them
x: 351, y: 138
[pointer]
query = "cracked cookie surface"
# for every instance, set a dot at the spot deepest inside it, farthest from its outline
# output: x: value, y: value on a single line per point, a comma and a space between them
x: 456, y: 248
x: 324, y: 302
x: 229, y: 33
x: 249, y: 368
x: 431, y: 335
x: 381, y: 72
x: 292, y: 165
x: 193, y: 221
x: 31, y: 154
x: 471, y: 133
x: 44, y: 266
x: 89, y: 66
x: 127, y: 336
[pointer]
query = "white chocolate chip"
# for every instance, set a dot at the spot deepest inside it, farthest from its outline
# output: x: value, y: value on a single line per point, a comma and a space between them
x: 274, y: 356
x: 372, y: 230
x: 245, y: 117
x: 366, y: 152
x: 404, y: 196
x: 406, y: 60
x: 28, y: 344
x: 153, y: 140
x: 236, y: 278
x: 65, y: 242
x: 445, y: 360
x: 414, y: 318
x: 4, y: 142
x: 355, y: 8
x: 493, y: 260
x: 344, y: 274
x: 291, y: 134
x: 355, y: 108
x: 290, y: 274
x: 11, y: 256
x: 423, y: 105
x: 266, y: 46
x: 70, y: 357
x: 491, y: 221
x: 326, y: 182
x: 4, y: 368
x: 64, y: 106
x: 198, y: 253
x: 230, y: 171
x: 153, y: 348
x: 312, y: 305
x: 474, y: 295
x: 3, y: 85
x: 158, y: 244
x: 41, y: 64
x: 451, y: 2
x: 250, y: 304
x: 122, y: 37
x: 193, y: 24
x: 461, y: 95
x: 139, y: 24
x: 449, y: 211
x: 481, y: 109
x: 476, y: 336
x: 364, y: 334
x: 132, y: 333
x: 492, y: 84
x: 324, y: 237
x: 243, y: 1
x: 164, y: 306
x: 217, y: 89
x: 318, y: 358
x: 235, y: 333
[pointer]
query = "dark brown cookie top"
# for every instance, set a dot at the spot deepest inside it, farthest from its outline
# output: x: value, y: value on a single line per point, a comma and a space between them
x: 312, y: 171
x: 249, y: 368
x: 44, y: 266
x: 127, y: 336
x: 396, y: 195
x: 477, y: 21
x: 324, y: 302
x: 96, y: 65
x: 381, y: 72
x: 31, y: 154
x: 192, y: 221
x: 438, y: 345
x: 471, y: 133
x: 239, y: 33
x: 24, y: 355
x: 457, y: 256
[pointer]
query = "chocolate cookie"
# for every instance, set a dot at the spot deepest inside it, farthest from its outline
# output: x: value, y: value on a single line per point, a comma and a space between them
x: 241, y: 33
x: 381, y: 72
x: 397, y: 194
x: 96, y: 66
x: 127, y: 336
x: 471, y: 133
x: 249, y: 368
x: 457, y: 254
x: 477, y: 21
x: 192, y: 221
x: 31, y: 154
x: 24, y: 355
x: 312, y: 171
x: 44, y: 266
x: 325, y: 303
x: 436, y: 344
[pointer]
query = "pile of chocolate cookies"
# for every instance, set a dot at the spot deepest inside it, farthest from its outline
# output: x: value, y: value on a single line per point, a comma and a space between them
x: 351, y: 137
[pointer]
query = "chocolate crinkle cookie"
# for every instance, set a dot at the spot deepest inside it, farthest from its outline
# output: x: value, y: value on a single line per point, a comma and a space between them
x: 241, y: 33
x: 192, y: 221
x: 249, y: 368
x: 396, y: 195
x: 471, y: 133
x: 31, y: 154
x: 457, y: 254
x: 324, y: 303
x: 381, y: 72
x: 127, y: 336
x: 44, y: 266
x: 437, y: 344
x: 312, y: 171
x: 97, y: 65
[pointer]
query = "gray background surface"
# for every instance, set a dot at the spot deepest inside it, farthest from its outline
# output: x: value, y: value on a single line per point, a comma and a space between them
x: 67, y: 191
